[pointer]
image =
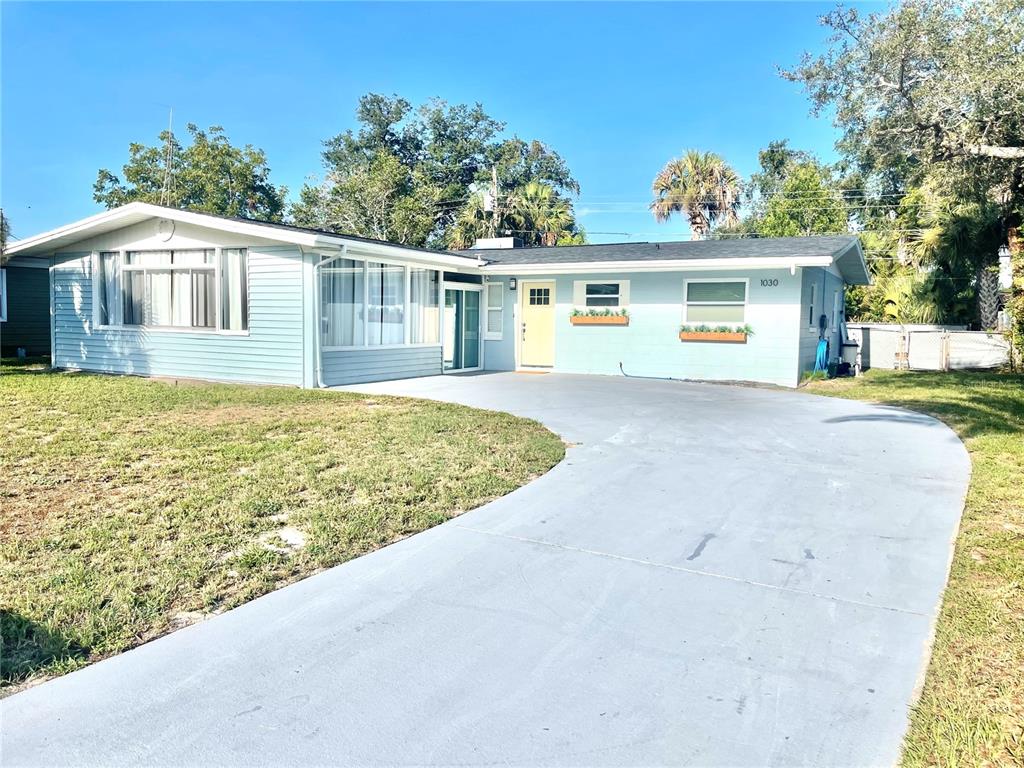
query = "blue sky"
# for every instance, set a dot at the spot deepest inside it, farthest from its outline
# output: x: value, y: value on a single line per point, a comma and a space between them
x: 617, y: 89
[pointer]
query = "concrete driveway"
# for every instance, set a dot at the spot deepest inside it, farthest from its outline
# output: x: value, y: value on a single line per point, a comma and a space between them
x: 714, y: 576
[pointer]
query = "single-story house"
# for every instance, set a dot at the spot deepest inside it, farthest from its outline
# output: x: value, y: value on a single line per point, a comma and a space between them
x: 145, y: 289
x: 24, y: 307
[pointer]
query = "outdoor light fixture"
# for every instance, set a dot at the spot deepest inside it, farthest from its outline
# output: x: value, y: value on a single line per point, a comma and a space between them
x: 511, y: 283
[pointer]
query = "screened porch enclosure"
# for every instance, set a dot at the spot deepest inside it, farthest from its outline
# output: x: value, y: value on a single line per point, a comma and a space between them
x: 367, y: 303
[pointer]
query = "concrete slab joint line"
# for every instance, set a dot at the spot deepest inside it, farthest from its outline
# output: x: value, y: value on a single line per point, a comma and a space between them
x: 717, y: 576
x: 680, y: 569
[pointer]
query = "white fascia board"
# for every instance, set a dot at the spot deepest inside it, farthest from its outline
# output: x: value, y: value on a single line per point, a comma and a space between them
x: 450, y: 262
x: 82, y: 227
x: 133, y: 213
x: 250, y: 228
x: 661, y: 265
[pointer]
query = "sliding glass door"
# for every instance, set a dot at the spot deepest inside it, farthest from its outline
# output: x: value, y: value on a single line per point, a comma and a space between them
x: 461, y: 344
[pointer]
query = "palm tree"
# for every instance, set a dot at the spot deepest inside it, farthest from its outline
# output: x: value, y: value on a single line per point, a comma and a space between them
x: 909, y: 298
x: 535, y: 212
x: 471, y: 223
x: 540, y: 215
x: 701, y: 186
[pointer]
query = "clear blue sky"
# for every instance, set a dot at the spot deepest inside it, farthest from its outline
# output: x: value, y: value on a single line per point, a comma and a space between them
x: 616, y: 89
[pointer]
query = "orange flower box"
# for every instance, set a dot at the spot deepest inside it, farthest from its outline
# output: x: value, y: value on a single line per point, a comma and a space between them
x: 599, y: 320
x: 719, y: 337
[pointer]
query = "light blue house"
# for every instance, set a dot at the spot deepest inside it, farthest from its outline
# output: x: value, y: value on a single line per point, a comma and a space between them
x: 144, y: 289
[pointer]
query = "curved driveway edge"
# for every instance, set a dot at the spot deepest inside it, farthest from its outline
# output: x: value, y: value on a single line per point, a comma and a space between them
x: 714, y: 575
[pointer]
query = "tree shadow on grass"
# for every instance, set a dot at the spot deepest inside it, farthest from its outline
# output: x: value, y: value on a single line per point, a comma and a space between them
x: 975, y: 403
x: 27, y: 647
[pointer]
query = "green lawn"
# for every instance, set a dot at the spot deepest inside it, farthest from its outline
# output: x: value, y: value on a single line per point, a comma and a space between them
x: 971, y: 712
x: 131, y: 507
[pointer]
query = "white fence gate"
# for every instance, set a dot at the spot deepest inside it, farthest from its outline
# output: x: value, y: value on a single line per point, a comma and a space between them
x: 928, y: 348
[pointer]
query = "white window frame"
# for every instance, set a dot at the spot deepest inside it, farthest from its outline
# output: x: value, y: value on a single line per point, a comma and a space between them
x: 812, y: 323
x: 497, y: 335
x: 744, y: 303
x: 480, y: 288
x: 123, y: 267
x: 3, y: 295
x: 579, y: 294
x: 407, y: 329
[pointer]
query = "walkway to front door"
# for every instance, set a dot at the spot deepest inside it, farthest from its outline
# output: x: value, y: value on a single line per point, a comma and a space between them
x: 537, y: 331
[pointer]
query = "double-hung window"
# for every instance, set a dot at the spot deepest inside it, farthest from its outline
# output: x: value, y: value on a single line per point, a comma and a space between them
x: 201, y: 288
x: 715, y: 301
x: 494, y: 295
x: 375, y: 304
x: 3, y: 295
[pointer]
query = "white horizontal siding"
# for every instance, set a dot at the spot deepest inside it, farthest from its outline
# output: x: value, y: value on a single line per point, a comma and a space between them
x: 271, y: 353
x: 358, y: 366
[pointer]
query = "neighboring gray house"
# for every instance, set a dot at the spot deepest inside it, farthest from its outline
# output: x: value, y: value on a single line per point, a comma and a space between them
x: 24, y: 307
x: 150, y: 290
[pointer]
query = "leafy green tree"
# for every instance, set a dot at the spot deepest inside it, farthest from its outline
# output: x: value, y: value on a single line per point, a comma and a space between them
x: 700, y: 186
x: 449, y: 149
x: 777, y: 161
x: 926, y: 82
x: 807, y: 203
x: 209, y: 175
x: 381, y: 199
x: 930, y: 92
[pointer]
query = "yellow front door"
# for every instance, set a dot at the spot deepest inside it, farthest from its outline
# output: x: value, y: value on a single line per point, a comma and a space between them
x: 537, y: 329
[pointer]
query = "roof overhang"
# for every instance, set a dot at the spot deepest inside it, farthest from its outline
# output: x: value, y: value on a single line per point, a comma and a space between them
x: 849, y: 262
x: 47, y: 243
x: 852, y: 265
x: 659, y: 265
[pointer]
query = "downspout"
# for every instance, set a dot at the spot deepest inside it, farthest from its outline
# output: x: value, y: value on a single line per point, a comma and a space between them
x: 318, y: 362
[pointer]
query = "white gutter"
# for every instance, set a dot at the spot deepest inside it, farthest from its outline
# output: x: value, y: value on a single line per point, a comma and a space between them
x: 317, y: 346
x: 658, y: 265
x: 411, y: 255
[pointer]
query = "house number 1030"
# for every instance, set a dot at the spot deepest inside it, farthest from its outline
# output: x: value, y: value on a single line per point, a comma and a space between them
x: 771, y: 282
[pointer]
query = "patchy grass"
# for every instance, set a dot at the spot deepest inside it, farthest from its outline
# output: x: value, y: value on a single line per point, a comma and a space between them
x: 971, y: 712
x: 131, y: 507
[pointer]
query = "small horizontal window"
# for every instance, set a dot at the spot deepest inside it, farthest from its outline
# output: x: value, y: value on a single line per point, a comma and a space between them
x: 731, y: 291
x: 607, y: 294
x: 602, y: 295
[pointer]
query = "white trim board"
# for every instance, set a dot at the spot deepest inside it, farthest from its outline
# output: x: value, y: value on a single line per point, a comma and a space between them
x: 134, y: 213
x: 660, y: 265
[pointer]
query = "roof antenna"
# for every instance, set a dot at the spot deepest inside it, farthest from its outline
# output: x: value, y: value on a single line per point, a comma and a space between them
x: 165, y: 190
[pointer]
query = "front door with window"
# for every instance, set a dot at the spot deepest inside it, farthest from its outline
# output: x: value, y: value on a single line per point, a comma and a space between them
x: 537, y: 327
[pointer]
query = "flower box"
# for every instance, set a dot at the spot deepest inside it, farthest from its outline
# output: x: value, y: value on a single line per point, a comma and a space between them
x: 599, y: 319
x: 720, y: 337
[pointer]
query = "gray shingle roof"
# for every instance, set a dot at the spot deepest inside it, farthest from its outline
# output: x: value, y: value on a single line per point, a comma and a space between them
x: 726, y: 248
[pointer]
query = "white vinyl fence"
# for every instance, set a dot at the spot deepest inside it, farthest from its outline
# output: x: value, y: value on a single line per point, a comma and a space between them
x: 928, y: 347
